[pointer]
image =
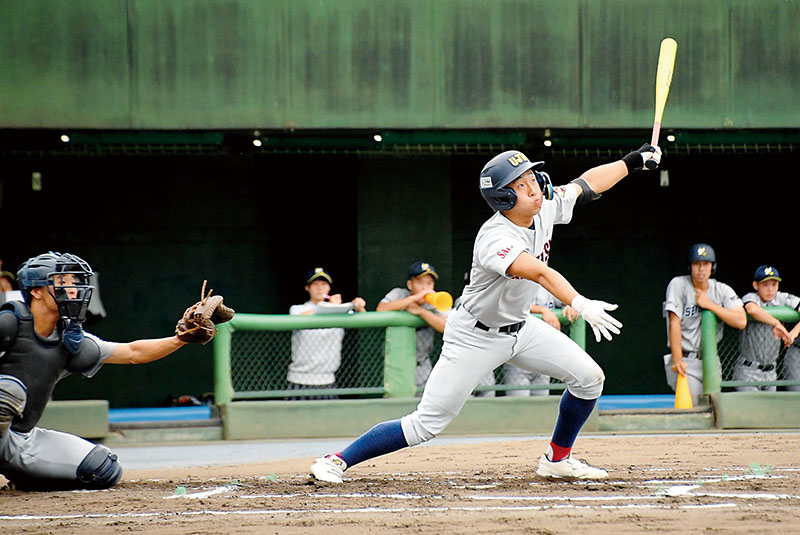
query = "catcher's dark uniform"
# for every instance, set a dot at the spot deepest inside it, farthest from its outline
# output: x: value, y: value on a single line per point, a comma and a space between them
x: 30, y: 366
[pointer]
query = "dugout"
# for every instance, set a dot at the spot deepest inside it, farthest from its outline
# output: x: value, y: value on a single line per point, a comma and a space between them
x: 154, y: 226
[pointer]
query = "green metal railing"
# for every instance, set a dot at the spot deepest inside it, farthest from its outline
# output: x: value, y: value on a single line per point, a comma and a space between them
x: 398, y: 346
x: 718, y: 361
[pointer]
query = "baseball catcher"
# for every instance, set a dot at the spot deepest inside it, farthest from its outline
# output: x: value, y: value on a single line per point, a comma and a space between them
x: 199, y: 321
x: 42, y: 340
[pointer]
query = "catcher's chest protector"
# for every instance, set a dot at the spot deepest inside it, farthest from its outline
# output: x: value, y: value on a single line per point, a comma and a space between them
x: 39, y: 364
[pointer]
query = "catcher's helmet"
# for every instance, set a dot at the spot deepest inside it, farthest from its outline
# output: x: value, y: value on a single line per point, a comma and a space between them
x: 501, y: 171
x: 703, y: 252
x: 44, y: 270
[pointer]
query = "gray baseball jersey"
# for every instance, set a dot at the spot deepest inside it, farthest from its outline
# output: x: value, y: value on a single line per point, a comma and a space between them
x: 493, y: 296
x: 757, y: 343
x: 681, y: 301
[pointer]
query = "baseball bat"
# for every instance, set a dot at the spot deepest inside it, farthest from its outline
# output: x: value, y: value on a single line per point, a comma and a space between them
x: 666, y: 63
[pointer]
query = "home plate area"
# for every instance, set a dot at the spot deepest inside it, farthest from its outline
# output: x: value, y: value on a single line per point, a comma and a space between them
x: 730, y: 483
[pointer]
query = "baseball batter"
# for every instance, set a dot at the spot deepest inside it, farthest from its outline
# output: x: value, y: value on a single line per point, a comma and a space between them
x: 492, y: 324
x: 760, y: 342
x: 687, y: 297
x: 42, y: 341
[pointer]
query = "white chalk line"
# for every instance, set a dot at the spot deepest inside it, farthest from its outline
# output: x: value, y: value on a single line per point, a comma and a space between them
x: 203, y: 494
x: 89, y: 516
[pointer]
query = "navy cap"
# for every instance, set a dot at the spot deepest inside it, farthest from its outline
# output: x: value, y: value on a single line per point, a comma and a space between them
x: 318, y: 273
x: 765, y: 273
x: 421, y: 268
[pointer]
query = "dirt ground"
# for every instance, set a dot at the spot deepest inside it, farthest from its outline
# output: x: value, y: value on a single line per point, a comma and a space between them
x: 695, y: 483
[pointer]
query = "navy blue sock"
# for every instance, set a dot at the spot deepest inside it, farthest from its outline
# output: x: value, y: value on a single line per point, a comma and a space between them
x: 384, y: 438
x: 572, y: 414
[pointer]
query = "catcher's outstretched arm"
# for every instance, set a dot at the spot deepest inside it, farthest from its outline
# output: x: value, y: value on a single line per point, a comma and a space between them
x: 142, y: 351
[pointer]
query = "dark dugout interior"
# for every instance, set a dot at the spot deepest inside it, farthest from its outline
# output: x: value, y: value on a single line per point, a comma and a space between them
x: 154, y: 224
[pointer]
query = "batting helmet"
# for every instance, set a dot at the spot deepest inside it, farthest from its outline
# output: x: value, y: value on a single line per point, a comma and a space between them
x: 504, y: 169
x: 42, y: 270
x: 703, y: 252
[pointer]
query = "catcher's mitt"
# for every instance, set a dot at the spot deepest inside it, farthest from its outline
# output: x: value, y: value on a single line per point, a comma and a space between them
x: 198, y: 323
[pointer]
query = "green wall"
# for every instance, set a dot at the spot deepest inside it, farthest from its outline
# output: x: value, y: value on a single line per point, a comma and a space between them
x: 299, y: 64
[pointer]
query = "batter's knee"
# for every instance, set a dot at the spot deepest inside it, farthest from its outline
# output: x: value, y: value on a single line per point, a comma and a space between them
x: 13, y: 396
x: 415, y: 431
x: 590, y: 385
x: 99, y: 469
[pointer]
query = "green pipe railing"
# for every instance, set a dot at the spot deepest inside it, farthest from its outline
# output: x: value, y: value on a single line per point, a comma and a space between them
x: 399, y: 357
x: 712, y: 376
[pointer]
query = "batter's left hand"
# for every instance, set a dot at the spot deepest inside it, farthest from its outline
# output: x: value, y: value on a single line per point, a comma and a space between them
x: 594, y: 312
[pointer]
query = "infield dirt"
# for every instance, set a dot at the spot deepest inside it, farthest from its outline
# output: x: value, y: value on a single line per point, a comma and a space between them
x: 710, y: 483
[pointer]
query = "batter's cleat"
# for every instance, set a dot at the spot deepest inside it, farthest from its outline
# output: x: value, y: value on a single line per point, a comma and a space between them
x: 329, y: 468
x: 569, y: 468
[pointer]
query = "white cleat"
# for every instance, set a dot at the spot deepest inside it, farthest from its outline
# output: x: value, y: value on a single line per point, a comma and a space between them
x: 569, y: 468
x: 329, y: 468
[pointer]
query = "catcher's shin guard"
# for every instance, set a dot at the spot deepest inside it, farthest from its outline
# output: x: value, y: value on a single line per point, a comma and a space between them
x: 99, y: 469
x: 13, y: 396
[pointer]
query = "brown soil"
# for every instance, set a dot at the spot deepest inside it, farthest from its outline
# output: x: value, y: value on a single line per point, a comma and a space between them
x: 709, y: 483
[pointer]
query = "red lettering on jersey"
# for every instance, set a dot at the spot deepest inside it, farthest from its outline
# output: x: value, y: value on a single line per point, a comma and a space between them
x: 502, y: 253
x: 544, y: 256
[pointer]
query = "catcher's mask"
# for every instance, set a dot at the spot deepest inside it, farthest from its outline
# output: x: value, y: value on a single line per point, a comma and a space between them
x: 66, y: 278
x: 504, y: 169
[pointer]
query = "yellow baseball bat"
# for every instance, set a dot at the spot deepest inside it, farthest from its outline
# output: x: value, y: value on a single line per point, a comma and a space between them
x: 666, y: 63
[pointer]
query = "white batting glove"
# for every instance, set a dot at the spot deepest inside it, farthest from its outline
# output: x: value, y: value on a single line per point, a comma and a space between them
x: 654, y: 156
x: 594, y: 312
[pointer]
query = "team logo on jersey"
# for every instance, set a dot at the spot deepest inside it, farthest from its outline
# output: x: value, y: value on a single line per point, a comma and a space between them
x: 517, y: 159
x: 502, y: 253
x: 560, y: 191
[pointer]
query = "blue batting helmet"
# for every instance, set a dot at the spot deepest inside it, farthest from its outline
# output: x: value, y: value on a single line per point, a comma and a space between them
x: 504, y: 169
x: 703, y: 252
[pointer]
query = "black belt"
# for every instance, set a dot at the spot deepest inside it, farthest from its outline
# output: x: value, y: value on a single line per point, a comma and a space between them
x: 508, y: 329
x: 762, y: 367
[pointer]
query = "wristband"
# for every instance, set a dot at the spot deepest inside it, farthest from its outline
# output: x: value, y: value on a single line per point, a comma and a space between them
x: 633, y: 161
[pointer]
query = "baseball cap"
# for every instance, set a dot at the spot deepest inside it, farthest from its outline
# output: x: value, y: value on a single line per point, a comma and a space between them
x: 421, y: 268
x: 318, y: 273
x: 765, y: 273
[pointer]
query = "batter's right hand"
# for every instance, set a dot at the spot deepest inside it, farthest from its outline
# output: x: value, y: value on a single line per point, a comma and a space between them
x: 594, y: 312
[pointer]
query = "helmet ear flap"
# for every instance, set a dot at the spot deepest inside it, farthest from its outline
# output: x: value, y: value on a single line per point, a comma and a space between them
x: 545, y: 184
x: 504, y: 199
